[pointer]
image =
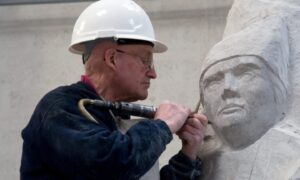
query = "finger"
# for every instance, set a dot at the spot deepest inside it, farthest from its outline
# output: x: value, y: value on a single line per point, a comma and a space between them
x: 197, y: 115
x: 194, y: 122
x: 185, y: 136
x: 201, y: 117
x: 190, y: 138
x: 199, y: 131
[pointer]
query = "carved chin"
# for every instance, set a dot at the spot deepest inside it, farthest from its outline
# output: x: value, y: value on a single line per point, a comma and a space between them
x: 240, y: 135
x: 235, y: 131
x: 231, y: 118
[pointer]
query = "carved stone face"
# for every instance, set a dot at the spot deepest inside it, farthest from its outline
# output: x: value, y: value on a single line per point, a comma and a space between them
x: 239, y: 99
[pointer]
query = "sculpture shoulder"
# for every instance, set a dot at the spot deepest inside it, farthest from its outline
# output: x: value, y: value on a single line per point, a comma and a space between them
x: 289, y: 130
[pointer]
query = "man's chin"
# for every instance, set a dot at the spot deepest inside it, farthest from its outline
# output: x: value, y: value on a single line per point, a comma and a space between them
x: 143, y: 95
x: 139, y: 98
x: 142, y: 98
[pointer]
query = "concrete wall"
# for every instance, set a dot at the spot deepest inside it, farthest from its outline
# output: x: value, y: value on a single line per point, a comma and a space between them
x: 34, y: 59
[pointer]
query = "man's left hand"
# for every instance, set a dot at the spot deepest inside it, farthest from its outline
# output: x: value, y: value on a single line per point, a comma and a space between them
x: 192, y: 134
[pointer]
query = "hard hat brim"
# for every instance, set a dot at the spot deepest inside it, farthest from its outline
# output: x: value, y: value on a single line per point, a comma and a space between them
x: 159, y: 47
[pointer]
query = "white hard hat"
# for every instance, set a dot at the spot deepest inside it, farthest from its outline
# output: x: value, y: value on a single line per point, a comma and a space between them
x: 117, y: 19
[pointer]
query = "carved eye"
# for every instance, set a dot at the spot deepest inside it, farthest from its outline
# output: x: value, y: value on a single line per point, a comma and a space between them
x: 248, y: 75
x: 212, y: 83
x: 245, y: 74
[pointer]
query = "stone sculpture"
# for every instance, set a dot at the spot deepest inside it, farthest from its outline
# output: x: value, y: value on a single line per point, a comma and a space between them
x: 250, y: 93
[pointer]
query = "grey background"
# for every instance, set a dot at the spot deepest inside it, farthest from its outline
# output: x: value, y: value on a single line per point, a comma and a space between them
x: 22, y: 2
x: 34, y: 59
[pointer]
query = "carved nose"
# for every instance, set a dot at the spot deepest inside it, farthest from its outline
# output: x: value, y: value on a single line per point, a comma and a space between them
x: 228, y: 93
x: 230, y: 87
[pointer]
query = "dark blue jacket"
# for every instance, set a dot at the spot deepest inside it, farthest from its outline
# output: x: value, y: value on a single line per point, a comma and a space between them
x: 60, y: 143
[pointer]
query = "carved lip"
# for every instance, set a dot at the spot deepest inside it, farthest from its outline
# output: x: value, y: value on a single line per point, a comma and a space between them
x: 230, y: 108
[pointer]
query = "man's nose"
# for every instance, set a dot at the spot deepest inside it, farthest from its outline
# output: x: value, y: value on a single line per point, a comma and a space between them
x: 151, y: 73
x: 230, y: 86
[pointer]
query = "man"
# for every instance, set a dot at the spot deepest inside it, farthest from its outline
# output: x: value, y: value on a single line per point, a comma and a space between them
x: 117, y: 42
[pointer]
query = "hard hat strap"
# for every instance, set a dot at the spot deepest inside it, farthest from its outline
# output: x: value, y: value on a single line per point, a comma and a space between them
x: 89, y: 46
x: 123, y: 41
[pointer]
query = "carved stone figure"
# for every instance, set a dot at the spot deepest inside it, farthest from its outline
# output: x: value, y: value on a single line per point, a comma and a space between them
x: 239, y: 98
x: 248, y: 91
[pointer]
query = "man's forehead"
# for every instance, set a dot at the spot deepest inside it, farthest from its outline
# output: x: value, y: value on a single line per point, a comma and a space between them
x: 233, y: 63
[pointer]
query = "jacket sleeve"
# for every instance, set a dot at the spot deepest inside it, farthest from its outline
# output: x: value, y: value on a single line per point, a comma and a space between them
x: 180, y: 167
x: 76, y: 147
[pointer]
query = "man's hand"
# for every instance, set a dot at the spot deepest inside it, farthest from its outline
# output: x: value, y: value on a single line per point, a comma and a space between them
x: 192, y: 134
x: 174, y: 115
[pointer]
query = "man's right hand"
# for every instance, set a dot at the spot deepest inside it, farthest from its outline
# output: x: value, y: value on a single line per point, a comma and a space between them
x: 174, y: 115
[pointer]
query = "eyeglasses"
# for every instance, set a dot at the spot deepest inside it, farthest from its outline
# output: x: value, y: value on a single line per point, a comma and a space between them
x: 147, y: 61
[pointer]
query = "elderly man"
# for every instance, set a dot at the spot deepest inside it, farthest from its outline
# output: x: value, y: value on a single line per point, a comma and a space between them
x: 117, y: 42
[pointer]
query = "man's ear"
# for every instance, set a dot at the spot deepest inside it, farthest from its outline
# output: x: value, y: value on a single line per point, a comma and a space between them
x: 109, y: 58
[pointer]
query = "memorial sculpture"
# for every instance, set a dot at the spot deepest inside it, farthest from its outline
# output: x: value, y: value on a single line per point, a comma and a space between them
x: 250, y: 92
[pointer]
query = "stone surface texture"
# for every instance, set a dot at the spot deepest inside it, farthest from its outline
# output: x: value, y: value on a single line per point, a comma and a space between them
x: 250, y: 90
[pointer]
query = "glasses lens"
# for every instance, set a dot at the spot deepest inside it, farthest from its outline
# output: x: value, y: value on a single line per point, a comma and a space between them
x: 147, y: 61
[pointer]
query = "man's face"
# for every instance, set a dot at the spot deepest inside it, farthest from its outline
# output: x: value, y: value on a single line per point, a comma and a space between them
x: 239, y: 99
x: 133, y: 72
